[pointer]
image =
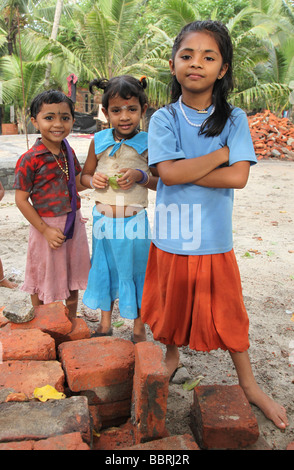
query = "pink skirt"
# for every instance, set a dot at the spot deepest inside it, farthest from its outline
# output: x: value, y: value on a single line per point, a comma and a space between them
x: 52, y: 274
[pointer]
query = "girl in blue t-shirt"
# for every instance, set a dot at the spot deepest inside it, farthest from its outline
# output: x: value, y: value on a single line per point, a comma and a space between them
x: 202, y: 149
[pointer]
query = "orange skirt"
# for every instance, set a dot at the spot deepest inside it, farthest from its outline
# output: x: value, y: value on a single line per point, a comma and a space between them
x: 195, y: 301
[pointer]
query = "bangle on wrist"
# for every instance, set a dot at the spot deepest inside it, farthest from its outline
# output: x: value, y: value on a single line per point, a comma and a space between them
x: 146, y: 182
x: 145, y: 178
x: 91, y: 183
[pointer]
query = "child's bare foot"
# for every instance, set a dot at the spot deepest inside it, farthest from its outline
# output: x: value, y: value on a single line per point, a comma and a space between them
x: 102, y: 332
x: 172, y: 359
x: 7, y: 283
x: 104, y: 328
x: 254, y: 394
x: 271, y: 409
x: 139, y: 333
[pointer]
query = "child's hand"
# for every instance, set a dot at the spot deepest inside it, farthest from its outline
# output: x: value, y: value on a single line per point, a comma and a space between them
x: 54, y: 237
x: 225, y: 153
x: 130, y: 176
x: 100, y: 180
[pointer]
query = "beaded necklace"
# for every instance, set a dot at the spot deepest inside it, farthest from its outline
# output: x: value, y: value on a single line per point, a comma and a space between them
x: 186, y: 117
x: 65, y: 169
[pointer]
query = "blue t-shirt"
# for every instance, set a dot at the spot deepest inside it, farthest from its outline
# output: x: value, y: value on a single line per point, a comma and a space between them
x: 191, y: 219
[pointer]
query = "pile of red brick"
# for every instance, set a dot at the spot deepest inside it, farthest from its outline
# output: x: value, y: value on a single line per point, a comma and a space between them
x: 272, y: 137
x: 115, y: 393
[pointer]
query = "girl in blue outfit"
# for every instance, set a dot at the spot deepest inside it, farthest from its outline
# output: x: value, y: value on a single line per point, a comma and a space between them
x: 202, y: 149
x: 117, y: 169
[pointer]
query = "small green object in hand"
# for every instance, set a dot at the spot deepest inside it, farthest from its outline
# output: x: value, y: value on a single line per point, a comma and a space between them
x: 113, y: 181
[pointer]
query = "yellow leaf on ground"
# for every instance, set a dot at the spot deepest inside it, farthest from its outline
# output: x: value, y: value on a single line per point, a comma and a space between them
x: 48, y: 393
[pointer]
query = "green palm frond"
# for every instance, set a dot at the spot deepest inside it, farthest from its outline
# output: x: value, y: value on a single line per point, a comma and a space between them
x: 179, y: 13
x: 244, y: 14
x: 266, y: 93
x: 33, y: 75
x: 158, y: 92
x: 288, y: 52
x: 107, y: 45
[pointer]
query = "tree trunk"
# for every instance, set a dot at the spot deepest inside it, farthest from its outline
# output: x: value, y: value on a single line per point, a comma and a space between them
x: 58, y: 11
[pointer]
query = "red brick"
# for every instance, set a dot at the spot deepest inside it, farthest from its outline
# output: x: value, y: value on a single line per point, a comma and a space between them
x: 290, y: 446
x: 95, y: 418
x: 27, y: 345
x: 97, y: 362
x: 115, y: 438
x: 260, y: 444
x: 80, y: 330
x: 110, y: 394
x: 22, y: 445
x: 3, y: 320
x: 112, y: 414
x: 172, y: 443
x: 25, y: 376
x: 221, y: 418
x: 72, y: 441
x: 50, y: 318
x: 150, y: 392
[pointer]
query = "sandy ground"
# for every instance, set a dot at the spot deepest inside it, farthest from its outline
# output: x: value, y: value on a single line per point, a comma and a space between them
x: 264, y: 246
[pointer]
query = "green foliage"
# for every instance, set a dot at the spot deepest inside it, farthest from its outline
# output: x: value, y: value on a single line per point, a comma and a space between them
x: 112, y: 37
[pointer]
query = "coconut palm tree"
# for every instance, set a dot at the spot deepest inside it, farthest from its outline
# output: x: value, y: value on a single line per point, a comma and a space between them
x: 13, y: 18
x: 273, y: 28
x: 259, y: 34
x: 22, y: 73
x: 58, y: 11
x: 18, y: 91
x: 104, y: 37
x: 11, y: 12
x: 102, y: 41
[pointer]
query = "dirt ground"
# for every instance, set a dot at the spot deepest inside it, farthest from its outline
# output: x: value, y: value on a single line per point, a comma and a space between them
x: 264, y: 246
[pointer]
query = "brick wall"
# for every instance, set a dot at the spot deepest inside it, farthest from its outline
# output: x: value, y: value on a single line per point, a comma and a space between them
x: 85, y: 101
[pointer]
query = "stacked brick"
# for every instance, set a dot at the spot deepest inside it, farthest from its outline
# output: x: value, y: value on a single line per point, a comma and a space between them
x: 28, y: 360
x: 101, y: 369
x: 102, y: 379
x: 272, y: 137
x: 150, y: 380
x: 114, y: 393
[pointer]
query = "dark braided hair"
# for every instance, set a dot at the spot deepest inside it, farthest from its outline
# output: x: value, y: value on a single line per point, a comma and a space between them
x: 215, y: 123
x: 124, y: 86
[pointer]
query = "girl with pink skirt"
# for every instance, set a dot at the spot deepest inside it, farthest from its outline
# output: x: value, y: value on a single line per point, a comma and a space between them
x: 58, y: 258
